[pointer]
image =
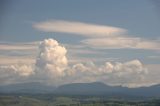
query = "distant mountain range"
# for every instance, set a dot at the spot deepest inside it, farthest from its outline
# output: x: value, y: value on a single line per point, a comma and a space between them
x: 32, y: 87
x: 100, y: 89
x: 81, y: 89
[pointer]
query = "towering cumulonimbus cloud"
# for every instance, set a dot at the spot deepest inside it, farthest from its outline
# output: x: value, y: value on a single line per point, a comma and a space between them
x: 51, y: 60
x: 52, y: 67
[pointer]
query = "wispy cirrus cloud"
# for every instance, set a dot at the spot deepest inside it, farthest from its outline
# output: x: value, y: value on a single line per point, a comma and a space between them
x: 7, y: 60
x: 13, y: 53
x: 122, y: 42
x: 18, y: 46
x: 99, y: 36
x: 78, y: 28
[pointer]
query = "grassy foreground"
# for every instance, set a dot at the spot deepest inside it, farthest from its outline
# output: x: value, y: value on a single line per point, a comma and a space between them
x: 44, y: 100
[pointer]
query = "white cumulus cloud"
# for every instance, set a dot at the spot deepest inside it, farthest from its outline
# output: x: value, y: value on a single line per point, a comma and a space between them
x: 15, y: 73
x: 127, y: 73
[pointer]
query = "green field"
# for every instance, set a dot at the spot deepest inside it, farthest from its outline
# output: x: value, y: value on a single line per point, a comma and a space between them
x: 44, y: 100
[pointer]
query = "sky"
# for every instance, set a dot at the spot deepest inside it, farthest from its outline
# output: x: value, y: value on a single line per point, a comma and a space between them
x: 56, y: 42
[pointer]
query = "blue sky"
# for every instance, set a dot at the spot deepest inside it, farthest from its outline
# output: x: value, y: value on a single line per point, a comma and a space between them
x: 91, y: 30
x: 140, y: 18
